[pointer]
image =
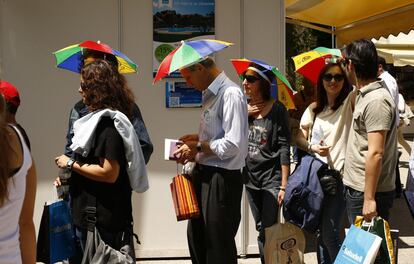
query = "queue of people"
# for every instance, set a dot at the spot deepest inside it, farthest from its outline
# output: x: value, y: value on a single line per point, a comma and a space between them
x: 243, y: 139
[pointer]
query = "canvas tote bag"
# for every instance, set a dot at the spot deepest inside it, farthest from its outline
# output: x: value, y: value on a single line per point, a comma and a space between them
x: 285, y: 242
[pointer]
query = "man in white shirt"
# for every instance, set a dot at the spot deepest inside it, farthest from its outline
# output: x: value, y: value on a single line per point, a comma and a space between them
x: 392, y: 86
x: 220, y: 150
x: 390, y: 82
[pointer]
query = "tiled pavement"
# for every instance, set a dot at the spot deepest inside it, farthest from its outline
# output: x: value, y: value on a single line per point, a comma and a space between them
x: 400, y: 219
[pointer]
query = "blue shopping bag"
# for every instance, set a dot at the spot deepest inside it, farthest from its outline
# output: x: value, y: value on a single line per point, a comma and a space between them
x: 358, y: 247
x: 56, y: 238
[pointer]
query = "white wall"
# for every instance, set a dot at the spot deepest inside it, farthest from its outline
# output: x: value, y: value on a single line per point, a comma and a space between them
x: 31, y: 30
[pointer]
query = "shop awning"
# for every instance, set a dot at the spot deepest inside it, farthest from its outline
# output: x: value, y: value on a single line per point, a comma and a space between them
x: 354, y: 19
x: 398, y: 50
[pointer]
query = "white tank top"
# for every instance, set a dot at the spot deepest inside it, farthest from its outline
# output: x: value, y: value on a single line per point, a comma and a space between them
x: 10, y: 211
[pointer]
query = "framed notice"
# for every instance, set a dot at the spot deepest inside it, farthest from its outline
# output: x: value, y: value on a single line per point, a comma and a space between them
x: 177, y: 20
x: 179, y: 94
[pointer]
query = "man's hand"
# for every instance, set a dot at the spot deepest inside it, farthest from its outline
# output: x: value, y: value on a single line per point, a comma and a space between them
x: 186, y: 152
x: 369, y: 210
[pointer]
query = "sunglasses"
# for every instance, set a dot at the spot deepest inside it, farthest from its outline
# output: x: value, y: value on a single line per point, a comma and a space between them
x: 328, y: 77
x: 250, y: 78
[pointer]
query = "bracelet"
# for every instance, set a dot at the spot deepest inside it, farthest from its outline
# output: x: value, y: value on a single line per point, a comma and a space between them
x: 310, y: 148
x: 282, y: 189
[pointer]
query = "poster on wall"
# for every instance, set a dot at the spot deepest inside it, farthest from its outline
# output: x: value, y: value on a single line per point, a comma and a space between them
x: 177, y: 20
x: 179, y: 94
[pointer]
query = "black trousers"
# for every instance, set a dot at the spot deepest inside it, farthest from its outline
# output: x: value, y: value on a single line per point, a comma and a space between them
x: 211, y: 237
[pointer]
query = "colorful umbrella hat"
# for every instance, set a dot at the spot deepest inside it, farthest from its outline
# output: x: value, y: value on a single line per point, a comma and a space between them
x: 284, y: 89
x: 188, y: 53
x: 70, y: 58
x: 310, y: 63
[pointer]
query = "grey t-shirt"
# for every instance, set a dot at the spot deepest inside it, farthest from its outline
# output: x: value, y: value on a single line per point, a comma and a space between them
x: 374, y: 111
x: 268, y: 149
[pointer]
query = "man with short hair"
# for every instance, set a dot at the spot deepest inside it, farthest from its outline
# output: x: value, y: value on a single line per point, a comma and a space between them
x: 12, y: 98
x: 220, y: 150
x: 369, y: 172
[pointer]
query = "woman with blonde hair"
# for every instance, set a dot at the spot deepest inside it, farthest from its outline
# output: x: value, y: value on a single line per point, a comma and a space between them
x: 17, y: 195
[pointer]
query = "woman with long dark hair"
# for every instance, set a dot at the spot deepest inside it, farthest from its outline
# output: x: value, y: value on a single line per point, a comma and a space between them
x: 17, y: 195
x: 268, y: 160
x: 100, y: 166
x: 325, y: 127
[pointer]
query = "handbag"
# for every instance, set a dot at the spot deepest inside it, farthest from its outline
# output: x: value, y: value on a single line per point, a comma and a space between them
x: 285, y: 242
x: 184, y: 197
x: 329, y: 179
x: 379, y: 227
x: 359, y: 246
x: 97, y: 251
x: 56, y: 237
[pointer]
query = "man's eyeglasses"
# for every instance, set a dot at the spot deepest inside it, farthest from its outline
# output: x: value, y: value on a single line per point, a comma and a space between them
x: 250, y: 78
x: 328, y: 77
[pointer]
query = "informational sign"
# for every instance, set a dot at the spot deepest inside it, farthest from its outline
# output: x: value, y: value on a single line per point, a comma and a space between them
x: 179, y: 94
x: 177, y: 20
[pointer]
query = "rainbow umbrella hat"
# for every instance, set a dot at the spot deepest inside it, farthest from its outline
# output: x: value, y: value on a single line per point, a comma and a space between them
x: 284, y: 89
x: 70, y: 58
x: 309, y: 64
x: 189, y: 52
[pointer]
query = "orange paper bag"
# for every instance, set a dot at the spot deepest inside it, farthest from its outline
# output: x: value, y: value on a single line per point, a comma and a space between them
x: 184, y: 198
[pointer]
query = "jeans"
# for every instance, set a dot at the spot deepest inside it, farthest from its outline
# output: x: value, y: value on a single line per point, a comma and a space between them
x: 355, y: 201
x: 264, y: 206
x: 328, y: 241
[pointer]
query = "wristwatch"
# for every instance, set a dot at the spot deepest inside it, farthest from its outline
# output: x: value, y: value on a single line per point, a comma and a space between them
x: 199, y: 147
x: 70, y: 163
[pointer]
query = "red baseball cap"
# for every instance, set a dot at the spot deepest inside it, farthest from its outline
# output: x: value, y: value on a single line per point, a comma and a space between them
x: 10, y: 93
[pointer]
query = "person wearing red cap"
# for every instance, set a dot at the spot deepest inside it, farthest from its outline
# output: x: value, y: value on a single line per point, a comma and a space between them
x: 12, y: 98
x: 17, y: 195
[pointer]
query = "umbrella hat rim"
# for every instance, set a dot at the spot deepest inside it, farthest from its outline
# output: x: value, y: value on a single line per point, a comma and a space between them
x: 188, y: 54
x: 284, y: 89
x: 247, y: 62
x: 125, y: 64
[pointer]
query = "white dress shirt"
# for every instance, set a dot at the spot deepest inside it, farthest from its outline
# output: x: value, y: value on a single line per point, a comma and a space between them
x: 393, y: 88
x: 224, y: 124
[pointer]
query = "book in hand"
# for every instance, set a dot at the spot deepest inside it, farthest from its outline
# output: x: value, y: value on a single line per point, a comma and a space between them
x: 171, y: 145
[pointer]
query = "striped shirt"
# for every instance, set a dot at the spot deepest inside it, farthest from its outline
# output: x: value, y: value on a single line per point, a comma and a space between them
x: 224, y: 124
